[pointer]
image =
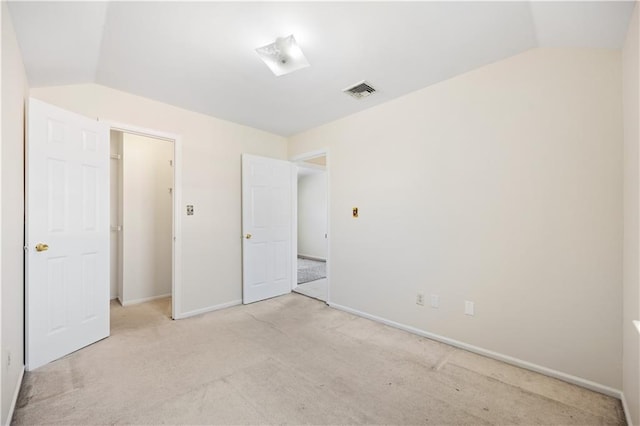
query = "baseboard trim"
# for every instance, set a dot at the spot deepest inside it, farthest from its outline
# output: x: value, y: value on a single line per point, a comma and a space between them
x: 588, y: 384
x: 144, y: 299
x: 206, y: 310
x: 14, y: 400
x: 625, y: 408
x: 308, y: 256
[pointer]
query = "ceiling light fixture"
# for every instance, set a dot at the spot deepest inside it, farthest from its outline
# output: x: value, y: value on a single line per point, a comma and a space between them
x: 283, y: 56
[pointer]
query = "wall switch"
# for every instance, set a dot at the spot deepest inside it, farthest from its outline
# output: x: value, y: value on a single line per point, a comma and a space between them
x: 420, y: 299
x: 435, y: 301
x: 468, y: 308
x: 189, y: 210
x: 354, y: 212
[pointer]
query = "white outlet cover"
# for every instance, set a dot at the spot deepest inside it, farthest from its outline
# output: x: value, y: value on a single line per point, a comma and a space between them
x: 419, y: 299
x: 435, y: 301
x: 468, y: 308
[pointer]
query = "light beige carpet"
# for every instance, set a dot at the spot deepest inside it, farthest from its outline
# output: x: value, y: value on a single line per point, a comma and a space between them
x: 290, y: 360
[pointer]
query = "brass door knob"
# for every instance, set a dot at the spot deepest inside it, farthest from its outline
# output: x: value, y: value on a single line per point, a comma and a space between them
x: 248, y: 236
x: 42, y: 247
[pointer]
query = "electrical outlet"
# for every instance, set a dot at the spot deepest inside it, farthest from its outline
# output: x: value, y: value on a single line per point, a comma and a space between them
x: 420, y: 299
x: 189, y: 210
x: 8, y: 359
x: 435, y: 301
x: 468, y: 308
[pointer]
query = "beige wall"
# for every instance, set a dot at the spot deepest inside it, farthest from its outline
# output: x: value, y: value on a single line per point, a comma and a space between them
x: 631, y: 287
x: 502, y: 186
x: 147, y: 206
x: 518, y: 209
x: 211, y: 149
x: 14, y: 92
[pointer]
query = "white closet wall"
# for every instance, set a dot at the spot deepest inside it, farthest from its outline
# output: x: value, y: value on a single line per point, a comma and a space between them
x: 114, y: 199
x: 146, y: 219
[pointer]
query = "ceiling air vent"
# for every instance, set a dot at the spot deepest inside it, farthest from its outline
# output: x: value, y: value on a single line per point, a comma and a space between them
x: 360, y: 90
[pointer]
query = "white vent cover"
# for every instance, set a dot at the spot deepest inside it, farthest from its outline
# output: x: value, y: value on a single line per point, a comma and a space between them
x: 360, y: 90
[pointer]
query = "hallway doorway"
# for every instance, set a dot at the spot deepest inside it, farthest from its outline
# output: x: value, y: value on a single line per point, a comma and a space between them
x: 312, y: 228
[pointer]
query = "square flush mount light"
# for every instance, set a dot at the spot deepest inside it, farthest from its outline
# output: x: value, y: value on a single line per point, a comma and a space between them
x: 283, y: 56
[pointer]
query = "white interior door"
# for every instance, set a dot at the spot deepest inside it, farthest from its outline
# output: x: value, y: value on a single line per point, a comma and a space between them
x: 67, y: 294
x: 267, y: 221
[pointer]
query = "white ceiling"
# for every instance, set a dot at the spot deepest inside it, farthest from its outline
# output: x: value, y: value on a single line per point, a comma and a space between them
x: 200, y: 55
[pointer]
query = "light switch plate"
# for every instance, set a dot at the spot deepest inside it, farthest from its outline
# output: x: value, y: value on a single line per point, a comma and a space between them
x: 435, y: 301
x: 468, y: 308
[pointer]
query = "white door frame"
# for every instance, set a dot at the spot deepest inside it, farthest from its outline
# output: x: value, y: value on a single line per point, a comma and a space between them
x: 297, y: 159
x: 176, y: 251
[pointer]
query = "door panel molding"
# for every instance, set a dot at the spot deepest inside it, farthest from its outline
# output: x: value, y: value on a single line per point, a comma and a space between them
x: 67, y: 233
x: 267, y: 221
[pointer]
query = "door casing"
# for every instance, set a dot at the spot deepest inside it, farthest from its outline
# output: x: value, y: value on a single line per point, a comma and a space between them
x: 176, y: 251
x: 324, y: 152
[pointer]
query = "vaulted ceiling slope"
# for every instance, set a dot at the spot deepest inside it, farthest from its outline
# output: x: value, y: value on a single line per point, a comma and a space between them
x: 200, y: 55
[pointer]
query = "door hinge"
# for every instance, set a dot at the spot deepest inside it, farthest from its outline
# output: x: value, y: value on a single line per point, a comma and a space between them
x: 25, y: 248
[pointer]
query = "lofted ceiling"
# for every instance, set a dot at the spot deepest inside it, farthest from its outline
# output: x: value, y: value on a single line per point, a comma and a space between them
x: 201, y: 55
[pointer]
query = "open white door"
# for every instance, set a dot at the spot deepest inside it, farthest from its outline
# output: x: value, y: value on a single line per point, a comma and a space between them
x: 267, y: 220
x: 67, y: 289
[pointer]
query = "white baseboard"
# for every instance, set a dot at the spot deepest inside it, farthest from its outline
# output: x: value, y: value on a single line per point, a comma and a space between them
x: 14, y: 400
x: 625, y: 408
x: 144, y: 299
x: 588, y: 384
x: 208, y: 309
x: 308, y: 256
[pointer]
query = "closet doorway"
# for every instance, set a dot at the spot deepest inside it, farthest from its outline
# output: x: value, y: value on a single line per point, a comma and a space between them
x: 312, y: 228
x: 142, y: 205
